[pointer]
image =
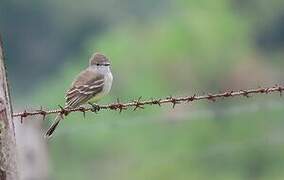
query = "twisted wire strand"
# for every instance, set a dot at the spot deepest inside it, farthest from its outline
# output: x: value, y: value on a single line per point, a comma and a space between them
x: 139, y: 104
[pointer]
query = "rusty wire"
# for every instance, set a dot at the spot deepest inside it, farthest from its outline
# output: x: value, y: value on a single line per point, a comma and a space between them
x: 139, y: 104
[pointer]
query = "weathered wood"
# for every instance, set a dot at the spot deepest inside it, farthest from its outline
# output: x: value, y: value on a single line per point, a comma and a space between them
x: 8, y: 165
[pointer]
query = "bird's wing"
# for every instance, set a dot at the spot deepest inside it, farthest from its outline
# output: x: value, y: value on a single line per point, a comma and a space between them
x: 85, y: 86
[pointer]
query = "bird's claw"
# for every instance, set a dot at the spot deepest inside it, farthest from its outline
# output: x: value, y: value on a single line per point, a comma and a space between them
x: 95, y: 107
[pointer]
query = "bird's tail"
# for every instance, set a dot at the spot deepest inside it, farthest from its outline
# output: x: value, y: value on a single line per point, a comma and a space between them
x: 53, y: 126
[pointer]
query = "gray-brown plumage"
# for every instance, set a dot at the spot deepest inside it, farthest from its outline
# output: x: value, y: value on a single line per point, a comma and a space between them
x: 87, y: 84
x: 91, y: 84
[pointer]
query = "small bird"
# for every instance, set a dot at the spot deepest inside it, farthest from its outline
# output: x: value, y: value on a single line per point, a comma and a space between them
x: 89, y: 86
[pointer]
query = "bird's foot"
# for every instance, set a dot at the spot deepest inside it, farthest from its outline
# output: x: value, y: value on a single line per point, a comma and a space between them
x: 95, y: 107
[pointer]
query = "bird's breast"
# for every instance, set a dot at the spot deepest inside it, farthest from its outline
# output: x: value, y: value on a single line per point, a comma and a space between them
x: 107, y: 83
x: 106, y: 88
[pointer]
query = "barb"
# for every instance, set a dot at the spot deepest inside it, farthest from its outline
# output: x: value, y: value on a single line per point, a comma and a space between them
x: 139, y: 104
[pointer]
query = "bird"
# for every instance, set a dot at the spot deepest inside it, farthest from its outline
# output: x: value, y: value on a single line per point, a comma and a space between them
x: 91, y: 85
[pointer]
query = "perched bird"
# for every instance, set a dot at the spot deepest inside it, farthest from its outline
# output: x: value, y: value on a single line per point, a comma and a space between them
x: 89, y: 86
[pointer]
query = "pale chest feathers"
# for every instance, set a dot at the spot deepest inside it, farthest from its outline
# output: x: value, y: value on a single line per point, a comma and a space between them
x: 107, y: 83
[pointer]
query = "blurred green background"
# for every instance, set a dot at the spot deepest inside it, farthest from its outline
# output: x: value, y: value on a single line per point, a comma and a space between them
x: 157, y: 49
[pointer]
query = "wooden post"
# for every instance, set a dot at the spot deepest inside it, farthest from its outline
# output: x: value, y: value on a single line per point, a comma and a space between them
x: 8, y: 165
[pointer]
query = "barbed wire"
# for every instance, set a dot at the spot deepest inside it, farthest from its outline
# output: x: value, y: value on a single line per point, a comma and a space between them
x: 139, y: 104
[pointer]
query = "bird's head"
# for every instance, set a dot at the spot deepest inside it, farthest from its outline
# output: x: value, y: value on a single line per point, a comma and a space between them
x: 99, y: 59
